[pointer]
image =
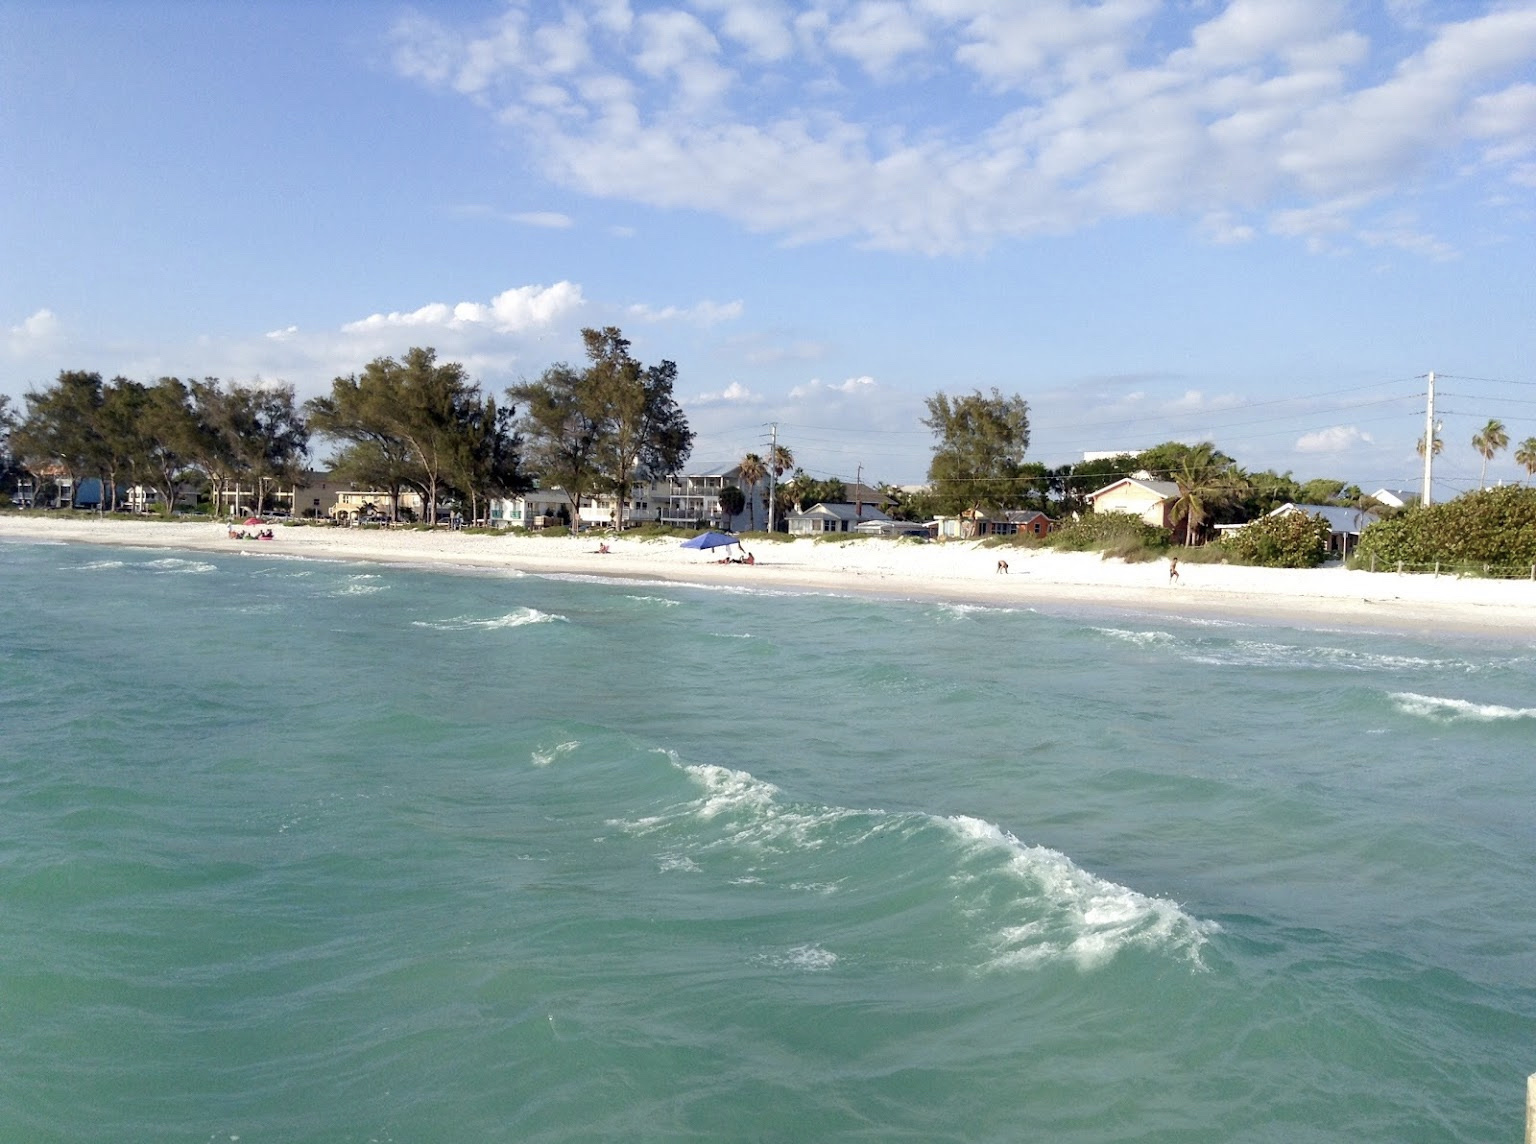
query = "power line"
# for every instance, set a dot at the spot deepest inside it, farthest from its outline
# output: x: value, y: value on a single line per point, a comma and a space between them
x: 1486, y: 380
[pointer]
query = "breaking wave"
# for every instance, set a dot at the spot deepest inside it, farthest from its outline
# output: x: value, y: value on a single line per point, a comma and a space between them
x: 520, y: 618
x: 173, y: 566
x: 544, y: 756
x: 1454, y: 710
x: 1018, y: 906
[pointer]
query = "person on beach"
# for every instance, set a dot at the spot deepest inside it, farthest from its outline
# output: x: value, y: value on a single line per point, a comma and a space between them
x: 1002, y: 566
x: 602, y: 550
x: 1173, y: 570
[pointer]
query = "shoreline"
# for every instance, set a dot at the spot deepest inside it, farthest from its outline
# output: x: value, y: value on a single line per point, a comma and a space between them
x: 954, y: 572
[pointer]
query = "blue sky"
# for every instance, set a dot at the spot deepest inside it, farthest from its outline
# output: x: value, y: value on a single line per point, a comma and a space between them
x: 1257, y: 222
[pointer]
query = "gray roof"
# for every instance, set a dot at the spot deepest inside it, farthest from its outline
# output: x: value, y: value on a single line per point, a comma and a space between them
x: 719, y: 469
x: 841, y: 512
x: 1348, y: 520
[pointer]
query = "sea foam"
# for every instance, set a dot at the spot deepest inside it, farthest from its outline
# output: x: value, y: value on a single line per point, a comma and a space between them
x: 544, y: 756
x: 1033, y: 905
x: 171, y: 566
x: 518, y: 619
x: 1452, y: 710
x: 1087, y: 919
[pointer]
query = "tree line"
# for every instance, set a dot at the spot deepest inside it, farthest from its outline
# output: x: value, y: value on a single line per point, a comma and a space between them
x: 978, y: 466
x: 160, y: 436
x: 409, y: 424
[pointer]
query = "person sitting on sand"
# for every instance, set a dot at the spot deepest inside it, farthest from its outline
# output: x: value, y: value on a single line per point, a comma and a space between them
x: 602, y: 550
x: 750, y: 559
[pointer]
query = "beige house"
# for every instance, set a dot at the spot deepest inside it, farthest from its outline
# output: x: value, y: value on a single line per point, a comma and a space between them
x: 1141, y: 497
x: 352, y: 505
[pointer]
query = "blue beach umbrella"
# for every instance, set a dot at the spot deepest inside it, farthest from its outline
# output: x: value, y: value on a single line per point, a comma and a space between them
x: 710, y: 540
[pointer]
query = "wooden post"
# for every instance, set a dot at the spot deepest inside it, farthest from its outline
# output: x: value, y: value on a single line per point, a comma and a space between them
x: 1530, y: 1109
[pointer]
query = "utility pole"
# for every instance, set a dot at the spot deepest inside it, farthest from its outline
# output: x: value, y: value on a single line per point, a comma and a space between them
x: 1429, y: 444
x: 858, y: 493
x: 773, y: 450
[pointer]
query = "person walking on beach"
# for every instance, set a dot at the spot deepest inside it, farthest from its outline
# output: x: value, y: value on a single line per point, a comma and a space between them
x: 1173, y: 571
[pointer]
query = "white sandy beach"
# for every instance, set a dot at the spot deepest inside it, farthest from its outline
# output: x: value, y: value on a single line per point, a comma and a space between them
x: 956, y: 571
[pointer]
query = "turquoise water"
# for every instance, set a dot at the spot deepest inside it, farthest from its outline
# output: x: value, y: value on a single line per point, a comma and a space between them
x: 298, y: 851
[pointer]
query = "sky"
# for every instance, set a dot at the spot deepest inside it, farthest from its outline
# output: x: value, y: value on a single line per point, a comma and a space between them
x: 1260, y: 223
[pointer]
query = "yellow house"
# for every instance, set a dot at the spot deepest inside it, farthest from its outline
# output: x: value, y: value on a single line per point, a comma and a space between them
x: 1143, y: 498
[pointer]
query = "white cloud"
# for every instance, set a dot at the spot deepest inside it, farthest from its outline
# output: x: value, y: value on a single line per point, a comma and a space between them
x: 734, y: 394
x: 1259, y: 115
x: 1194, y: 401
x: 35, y: 334
x: 1335, y: 439
x: 550, y: 220
x: 510, y: 312
x: 283, y: 335
x: 760, y: 26
x: 877, y: 33
x: 1399, y: 232
x: 704, y: 313
x: 851, y: 386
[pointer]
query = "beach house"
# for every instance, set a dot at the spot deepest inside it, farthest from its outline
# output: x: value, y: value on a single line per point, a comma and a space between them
x: 694, y: 501
x: 1344, y: 524
x: 1395, y: 498
x: 354, y: 505
x: 823, y: 518
x: 1030, y: 522
x: 143, y: 498
x: 1142, y: 497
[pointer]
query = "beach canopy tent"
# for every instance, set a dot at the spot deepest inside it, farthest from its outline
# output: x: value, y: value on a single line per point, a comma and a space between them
x: 707, y: 540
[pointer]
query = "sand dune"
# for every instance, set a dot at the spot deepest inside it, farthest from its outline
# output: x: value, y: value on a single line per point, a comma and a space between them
x: 958, y: 571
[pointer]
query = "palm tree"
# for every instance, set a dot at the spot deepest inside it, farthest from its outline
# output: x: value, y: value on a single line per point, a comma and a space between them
x: 1439, y: 445
x: 1491, y: 440
x: 1205, y: 483
x: 752, y: 473
x: 1525, y: 456
x: 780, y: 461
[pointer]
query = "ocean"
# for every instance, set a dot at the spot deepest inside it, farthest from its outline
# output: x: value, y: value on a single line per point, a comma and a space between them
x: 308, y: 851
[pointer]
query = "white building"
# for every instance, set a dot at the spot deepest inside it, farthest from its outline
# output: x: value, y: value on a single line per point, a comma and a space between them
x: 823, y: 518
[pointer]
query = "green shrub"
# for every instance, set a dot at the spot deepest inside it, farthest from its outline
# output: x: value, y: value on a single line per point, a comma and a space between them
x: 1493, y: 529
x: 764, y: 537
x: 1291, y: 540
x: 1016, y: 540
x: 1113, y: 533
